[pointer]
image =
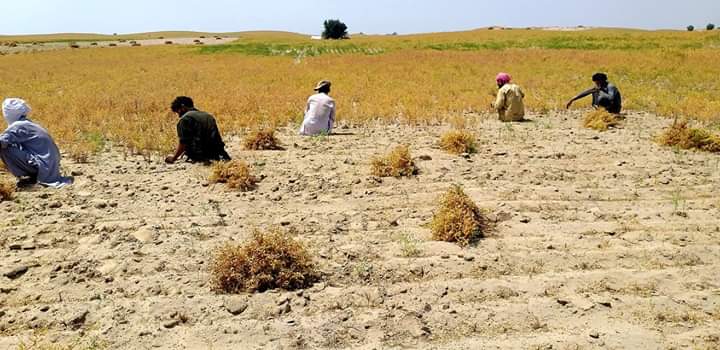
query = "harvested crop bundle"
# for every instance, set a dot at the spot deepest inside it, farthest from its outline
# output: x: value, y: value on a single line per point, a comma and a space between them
x: 398, y: 163
x: 458, y: 219
x: 601, y: 120
x: 235, y: 174
x: 458, y: 142
x: 683, y: 136
x: 269, y: 260
x: 262, y: 140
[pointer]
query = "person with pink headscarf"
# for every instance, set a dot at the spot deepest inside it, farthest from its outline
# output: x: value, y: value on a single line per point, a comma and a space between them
x: 509, y: 102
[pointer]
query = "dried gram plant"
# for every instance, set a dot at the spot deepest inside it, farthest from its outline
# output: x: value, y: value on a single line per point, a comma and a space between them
x: 398, y: 163
x: 458, y: 219
x: 235, y: 174
x: 269, y: 260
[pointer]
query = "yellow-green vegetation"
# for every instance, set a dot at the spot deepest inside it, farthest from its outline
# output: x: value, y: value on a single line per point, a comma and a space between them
x: 262, y: 140
x: 398, y: 163
x: 458, y: 219
x: 458, y: 142
x: 235, y: 174
x: 269, y: 260
x: 681, y: 135
x: 410, y: 246
x: 7, y: 189
x: 601, y: 120
x: 264, y: 78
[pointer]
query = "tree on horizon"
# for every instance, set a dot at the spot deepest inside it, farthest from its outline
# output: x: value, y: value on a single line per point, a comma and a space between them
x: 335, y: 29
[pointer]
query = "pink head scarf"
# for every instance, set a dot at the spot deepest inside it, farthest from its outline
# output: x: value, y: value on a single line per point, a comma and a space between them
x: 503, y: 78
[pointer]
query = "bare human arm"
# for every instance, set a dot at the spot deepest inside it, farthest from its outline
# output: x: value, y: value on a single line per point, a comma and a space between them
x: 183, y: 127
x: 581, y: 95
x: 178, y: 153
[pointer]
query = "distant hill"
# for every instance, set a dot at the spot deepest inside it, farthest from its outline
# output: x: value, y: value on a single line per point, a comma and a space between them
x: 61, y: 37
x: 486, y: 33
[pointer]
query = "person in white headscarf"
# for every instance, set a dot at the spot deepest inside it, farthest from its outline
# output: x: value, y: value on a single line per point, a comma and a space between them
x: 27, y: 149
x: 320, y: 112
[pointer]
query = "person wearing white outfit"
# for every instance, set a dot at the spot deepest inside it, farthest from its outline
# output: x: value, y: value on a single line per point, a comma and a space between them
x: 27, y: 149
x: 320, y: 112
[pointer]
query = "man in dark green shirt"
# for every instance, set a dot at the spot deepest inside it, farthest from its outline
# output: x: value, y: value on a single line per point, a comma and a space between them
x: 604, y: 95
x: 198, y: 134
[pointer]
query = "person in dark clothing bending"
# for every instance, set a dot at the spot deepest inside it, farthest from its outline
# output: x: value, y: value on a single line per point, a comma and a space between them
x: 198, y: 134
x: 604, y: 94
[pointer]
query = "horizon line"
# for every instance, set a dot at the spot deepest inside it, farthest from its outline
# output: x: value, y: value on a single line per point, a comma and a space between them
x: 497, y: 27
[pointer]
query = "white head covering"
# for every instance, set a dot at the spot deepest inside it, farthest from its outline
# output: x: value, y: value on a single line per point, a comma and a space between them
x: 14, y: 109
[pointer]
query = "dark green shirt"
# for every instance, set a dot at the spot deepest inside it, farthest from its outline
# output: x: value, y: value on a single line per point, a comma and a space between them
x: 199, y: 133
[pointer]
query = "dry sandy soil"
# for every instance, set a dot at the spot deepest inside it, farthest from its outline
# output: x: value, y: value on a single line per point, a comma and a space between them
x: 30, y: 47
x: 603, y: 240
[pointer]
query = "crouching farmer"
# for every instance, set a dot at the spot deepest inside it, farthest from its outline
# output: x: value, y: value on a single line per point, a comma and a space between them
x: 604, y: 95
x: 198, y: 134
x: 509, y: 103
x: 320, y: 112
x: 28, y: 150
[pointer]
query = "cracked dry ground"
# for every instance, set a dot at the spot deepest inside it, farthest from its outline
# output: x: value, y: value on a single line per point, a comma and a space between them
x: 603, y: 240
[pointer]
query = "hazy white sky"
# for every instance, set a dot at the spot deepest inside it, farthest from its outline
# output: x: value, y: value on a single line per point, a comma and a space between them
x: 369, y: 16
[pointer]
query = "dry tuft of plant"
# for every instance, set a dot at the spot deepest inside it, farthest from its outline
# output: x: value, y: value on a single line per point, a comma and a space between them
x: 601, y: 120
x: 459, y: 219
x: 398, y: 163
x: 683, y: 136
x: 7, y: 189
x: 262, y: 140
x: 235, y: 174
x: 270, y: 260
x: 458, y: 142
